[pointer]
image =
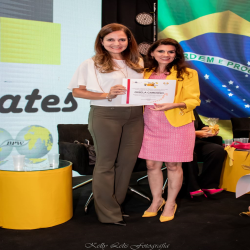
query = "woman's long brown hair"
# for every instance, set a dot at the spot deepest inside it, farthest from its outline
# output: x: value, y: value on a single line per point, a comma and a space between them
x: 179, y: 62
x: 103, y: 60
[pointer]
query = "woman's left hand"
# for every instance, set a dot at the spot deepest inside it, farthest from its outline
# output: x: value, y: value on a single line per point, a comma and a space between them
x: 163, y: 106
x: 207, y: 129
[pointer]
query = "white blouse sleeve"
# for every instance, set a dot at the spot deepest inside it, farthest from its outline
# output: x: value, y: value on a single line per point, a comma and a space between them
x: 86, y: 75
x: 80, y: 76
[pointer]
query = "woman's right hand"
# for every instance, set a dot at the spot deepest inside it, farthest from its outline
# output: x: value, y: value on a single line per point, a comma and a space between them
x: 116, y: 90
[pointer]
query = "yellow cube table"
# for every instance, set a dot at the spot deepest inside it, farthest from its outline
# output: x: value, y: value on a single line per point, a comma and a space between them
x: 231, y: 175
x: 36, y: 199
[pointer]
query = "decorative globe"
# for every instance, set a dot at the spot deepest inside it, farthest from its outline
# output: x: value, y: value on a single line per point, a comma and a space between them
x: 5, y: 146
x: 34, y: 142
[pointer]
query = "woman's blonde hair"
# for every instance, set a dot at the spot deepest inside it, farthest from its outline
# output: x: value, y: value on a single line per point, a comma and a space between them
x: 103, y: 60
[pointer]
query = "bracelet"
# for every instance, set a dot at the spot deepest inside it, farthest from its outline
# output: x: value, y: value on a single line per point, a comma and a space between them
x: 109, y: 99
x: 181, y: 111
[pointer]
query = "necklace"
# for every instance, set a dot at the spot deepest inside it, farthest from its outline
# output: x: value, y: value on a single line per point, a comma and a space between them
x: 125, y: 75
x: 120, y: 70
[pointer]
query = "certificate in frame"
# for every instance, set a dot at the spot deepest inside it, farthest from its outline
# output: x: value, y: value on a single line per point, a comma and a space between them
x: 148, y: 91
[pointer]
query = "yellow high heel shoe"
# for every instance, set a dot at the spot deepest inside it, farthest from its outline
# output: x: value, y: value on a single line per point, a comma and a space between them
x: 168, y: 218
x: 152, y: 214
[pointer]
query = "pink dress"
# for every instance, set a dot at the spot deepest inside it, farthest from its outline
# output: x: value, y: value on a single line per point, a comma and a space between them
x: 162, y: 141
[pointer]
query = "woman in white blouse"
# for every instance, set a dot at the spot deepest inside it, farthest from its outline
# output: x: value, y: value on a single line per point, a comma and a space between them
x: 117, y: 129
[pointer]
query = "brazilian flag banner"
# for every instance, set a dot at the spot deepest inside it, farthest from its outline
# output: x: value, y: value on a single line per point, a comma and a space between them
x: 215, y: 36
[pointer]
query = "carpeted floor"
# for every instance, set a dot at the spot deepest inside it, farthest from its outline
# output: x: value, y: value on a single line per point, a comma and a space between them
x: 200, y: 223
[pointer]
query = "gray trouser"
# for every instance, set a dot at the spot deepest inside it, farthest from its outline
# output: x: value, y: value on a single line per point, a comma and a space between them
x: 117, y: 133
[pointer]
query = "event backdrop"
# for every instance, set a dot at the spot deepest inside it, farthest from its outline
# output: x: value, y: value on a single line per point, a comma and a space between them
x: 215, y: 36
x: 42, y: 42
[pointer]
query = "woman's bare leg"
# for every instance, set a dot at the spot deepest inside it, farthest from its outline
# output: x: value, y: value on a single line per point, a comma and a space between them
x: 175, y: 178
x: 155, y: 179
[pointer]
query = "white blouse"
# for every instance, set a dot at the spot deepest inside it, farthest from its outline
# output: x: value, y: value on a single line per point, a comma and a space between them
x: 87, y: 75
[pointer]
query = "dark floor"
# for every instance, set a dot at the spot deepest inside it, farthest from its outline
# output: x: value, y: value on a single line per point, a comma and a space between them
x: 200, y: 223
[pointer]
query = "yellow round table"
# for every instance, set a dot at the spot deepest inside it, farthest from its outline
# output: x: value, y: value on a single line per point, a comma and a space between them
x: 231, y: 174
x: 36, y: 199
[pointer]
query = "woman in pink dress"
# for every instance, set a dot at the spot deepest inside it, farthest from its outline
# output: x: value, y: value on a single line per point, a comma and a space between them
x: 169, y: 133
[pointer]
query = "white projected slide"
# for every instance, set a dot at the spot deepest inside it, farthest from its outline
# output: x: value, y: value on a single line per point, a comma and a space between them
x: 41, y: 47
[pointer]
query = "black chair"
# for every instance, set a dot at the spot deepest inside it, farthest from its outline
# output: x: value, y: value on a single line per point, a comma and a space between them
x: 79, y: 156
x: 241, y: 127
x: 76, y: 153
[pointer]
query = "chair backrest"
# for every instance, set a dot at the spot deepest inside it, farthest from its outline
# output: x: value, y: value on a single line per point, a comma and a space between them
x: 76, y: 153
x: 241, y: 127
x: 72, y: 132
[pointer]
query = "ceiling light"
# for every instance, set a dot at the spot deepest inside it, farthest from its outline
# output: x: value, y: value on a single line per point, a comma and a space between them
x: 144, y: 18
x: 143, y: 48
